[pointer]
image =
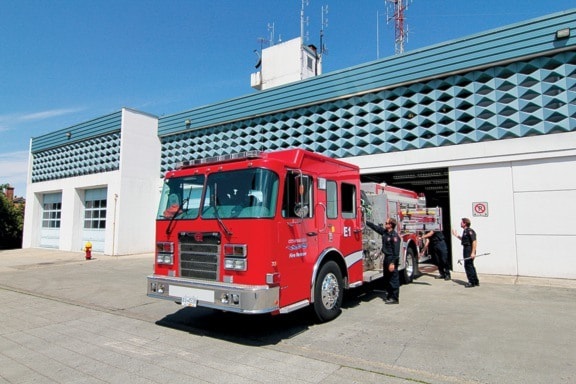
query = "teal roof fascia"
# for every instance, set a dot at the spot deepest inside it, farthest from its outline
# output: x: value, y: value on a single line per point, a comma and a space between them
x: 93, y: 128
x: 525, y: 39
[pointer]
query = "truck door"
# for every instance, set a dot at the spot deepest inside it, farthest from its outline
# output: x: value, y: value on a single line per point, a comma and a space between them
x: 298, y: 238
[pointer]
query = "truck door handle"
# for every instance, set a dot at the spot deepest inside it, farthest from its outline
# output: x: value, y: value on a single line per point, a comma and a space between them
x: 312, y: 234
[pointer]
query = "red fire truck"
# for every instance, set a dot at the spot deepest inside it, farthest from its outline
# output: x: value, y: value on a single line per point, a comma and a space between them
x: 274, y: 232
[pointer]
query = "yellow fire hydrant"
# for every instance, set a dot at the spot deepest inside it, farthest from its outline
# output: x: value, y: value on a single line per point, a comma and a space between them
x: 88, y: 250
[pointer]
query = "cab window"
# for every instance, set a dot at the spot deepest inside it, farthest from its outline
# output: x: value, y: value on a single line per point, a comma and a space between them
x: 331, y: 199
x: 348, y: 193
x: 298, y: 196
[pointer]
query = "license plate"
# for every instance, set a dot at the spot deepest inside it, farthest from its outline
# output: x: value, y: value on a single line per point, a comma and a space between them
x: 189, y: 301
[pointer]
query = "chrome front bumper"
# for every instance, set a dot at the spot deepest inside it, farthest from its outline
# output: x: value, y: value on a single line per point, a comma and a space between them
x: 253, y: 299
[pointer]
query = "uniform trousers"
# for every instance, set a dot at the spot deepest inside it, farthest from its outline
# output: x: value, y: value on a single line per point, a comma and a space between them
x: 469, y: 266
x: 441, y: 252
x: 391, y: 279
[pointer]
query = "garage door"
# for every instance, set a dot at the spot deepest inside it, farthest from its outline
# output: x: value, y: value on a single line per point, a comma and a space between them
x: 51, y: 214
x: 95, y: 218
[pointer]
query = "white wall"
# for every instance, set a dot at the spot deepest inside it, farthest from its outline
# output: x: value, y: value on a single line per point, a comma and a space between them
x: 490, y: 184
x: 132, y: 194
x: 544, y: 200
x: 530, y: 190
x: 138, y: 196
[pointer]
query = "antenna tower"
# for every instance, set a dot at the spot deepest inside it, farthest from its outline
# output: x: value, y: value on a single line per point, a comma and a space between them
x: 303, y: 22
x: 323, y: 49
x: 271, y: 27
x: 401, y: 30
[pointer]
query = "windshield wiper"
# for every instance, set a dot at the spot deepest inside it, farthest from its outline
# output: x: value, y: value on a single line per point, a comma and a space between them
x: 217, y: 214
x: 179, y: 212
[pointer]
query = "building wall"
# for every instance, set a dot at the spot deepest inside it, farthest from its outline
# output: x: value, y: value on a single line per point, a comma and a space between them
x: 71, y: 225
x: 128, y: 140
x: 526, y: 186
x: 139, y: 191
x: 544, y: 195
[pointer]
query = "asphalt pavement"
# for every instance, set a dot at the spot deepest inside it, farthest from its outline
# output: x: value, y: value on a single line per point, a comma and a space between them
x: 65, y: 319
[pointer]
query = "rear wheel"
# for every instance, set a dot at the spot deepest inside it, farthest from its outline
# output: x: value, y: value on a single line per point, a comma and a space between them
x: 411, y: 267
x: 328, y: 292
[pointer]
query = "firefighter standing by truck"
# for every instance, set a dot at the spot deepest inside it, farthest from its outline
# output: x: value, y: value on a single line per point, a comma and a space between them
x: 469, y: 242
x: 391, y: 248
x: 440, y: 250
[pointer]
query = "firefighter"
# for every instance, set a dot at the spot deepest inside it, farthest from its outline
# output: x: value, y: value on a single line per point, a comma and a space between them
x: 440, y: 250
x: 391, y: 248
x: 468, y: 240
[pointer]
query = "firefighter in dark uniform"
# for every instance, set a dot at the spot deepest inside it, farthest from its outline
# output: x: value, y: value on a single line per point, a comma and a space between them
x: 391, y: 248
x: 468, y: 240
x: 440, y: 250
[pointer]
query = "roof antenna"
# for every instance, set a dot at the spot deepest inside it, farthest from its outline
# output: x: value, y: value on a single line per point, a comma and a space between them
x: 401, y: 31
x: 323, y: 48
x: 303, y: 22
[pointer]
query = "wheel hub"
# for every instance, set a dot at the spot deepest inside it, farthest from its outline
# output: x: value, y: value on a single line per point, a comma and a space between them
x: 330, y: 291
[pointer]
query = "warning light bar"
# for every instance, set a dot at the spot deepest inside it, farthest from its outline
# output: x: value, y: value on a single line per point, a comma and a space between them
x: 220, y: 159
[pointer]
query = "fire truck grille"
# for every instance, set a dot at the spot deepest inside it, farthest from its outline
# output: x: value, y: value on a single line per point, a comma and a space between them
x: 199, y: 255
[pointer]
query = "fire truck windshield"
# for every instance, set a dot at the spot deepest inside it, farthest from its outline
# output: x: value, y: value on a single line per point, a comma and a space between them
x: 246, y: 193
x: 181, y: 197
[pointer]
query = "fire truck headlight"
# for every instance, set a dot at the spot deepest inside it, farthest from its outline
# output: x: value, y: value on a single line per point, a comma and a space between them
x: 165, y: 258
x: 235, y: 264
x: 165, y: 252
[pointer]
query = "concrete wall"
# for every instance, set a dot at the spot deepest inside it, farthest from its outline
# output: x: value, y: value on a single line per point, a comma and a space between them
x: 139, y: 194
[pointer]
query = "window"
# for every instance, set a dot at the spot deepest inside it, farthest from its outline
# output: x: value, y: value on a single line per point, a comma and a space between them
x: 51, y: 210
x: 297, y: 201
x: 348, y: 201
x: 331, y: 200
x: 181, y: 197
x: 95, y: 209
x: 243, y: 194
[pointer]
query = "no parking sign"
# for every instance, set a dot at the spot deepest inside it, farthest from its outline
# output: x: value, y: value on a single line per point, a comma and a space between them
x: 480, y: 209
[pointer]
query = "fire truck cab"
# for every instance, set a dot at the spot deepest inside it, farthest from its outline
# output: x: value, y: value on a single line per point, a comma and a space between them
x: 262, y: 232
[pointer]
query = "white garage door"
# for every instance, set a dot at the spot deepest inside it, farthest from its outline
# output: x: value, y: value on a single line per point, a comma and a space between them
x: 95, y: 218
x: 51, y: 214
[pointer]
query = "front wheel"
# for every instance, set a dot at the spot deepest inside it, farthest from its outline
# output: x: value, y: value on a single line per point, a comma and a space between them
x: 328, y: 292
x: 411, y: 267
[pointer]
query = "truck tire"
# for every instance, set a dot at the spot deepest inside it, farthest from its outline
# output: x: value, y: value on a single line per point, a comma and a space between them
x: 328, y: 292
x: 411, y: 267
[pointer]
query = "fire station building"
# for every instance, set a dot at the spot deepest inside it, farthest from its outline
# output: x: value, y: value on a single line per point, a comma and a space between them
x: 484, y: 126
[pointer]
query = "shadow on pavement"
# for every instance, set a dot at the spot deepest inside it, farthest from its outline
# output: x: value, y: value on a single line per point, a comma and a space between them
x: 265, y: 329
x: 252, y: 330
x: 259, y: 330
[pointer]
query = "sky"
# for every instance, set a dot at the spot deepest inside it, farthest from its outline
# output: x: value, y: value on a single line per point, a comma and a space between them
x: 64, y: 62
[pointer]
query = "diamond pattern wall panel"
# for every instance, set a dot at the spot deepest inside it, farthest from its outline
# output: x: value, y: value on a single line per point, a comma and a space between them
x: 95, y: 155
x: 527, y: 98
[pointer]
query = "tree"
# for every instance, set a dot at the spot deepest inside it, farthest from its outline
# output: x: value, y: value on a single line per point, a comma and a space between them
x: 11, y: 222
